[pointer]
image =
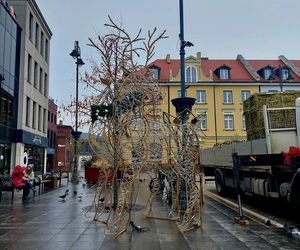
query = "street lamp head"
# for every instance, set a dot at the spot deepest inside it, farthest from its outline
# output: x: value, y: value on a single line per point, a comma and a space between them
x: 75, y: 53
x: 79, y: 62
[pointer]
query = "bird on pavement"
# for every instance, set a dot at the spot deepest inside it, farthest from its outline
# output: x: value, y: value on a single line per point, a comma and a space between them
x: 84, y: 184
x: 75, y: 192
x: 67, y: 191
x: 63, y: 197
x: 80, y: 197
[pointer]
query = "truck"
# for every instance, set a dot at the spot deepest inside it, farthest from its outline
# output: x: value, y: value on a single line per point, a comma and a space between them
x: 272, y: 168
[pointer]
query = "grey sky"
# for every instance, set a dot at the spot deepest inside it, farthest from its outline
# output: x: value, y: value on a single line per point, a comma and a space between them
x: 219, y: 29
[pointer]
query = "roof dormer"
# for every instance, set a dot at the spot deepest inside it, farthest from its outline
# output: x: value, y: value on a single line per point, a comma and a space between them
x: 155, y: 72
x: 284, y: 73
x: 223, y: 72
x: 267, y: 72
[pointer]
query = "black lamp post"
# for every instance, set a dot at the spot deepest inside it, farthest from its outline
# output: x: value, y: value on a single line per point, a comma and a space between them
x: 76, y: 134
x: 183, y: 103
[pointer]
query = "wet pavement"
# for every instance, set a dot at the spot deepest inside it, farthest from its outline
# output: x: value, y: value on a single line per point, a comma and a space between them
x: 44, y: 222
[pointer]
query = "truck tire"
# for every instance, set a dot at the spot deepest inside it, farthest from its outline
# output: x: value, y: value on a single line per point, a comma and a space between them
x: 219, y: 181
x: 295, y: 197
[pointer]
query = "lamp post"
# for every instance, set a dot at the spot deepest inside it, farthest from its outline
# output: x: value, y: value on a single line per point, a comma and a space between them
x: 76, y: 54
x: 183, y: 103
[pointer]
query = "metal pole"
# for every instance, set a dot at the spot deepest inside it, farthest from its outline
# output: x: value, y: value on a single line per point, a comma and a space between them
x: 280, y: 77
x: 75, y: 167
x: 183, y: 188
x: 182, y: 51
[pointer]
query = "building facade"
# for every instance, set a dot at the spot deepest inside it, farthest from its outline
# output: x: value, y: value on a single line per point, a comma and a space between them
x: 51, y: 135
x: 64, y: 147
x: 220, y: 87
x: 32, y: 122
x: 10, y: 36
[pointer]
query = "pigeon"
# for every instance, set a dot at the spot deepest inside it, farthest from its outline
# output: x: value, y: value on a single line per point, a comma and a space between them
x: 84, y: 184
x: 63, y: 197
x: 75, y: 192
x: 138, y: 229
x: 295, y: 233
x: 287, y: 231
x: 80, y: 197
x: 67, y: 191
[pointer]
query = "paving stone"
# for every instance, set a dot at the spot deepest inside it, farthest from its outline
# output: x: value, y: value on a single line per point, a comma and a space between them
x: 46, y: 223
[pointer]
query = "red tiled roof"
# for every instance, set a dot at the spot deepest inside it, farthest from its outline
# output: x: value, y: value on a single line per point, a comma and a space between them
x: 165, y: 68
x: 237, y: 72
x: 258, y: 64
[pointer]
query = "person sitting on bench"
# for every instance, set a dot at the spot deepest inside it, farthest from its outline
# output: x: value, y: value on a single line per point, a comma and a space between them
x: 28, y: 177
x: 18, y: 182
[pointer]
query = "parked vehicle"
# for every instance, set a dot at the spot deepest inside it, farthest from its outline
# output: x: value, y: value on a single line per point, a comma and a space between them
x: 275, y: 172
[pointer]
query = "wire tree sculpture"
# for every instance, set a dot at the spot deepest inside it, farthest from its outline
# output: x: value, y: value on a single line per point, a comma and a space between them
x: 126, y: 138
x: 119, y: 125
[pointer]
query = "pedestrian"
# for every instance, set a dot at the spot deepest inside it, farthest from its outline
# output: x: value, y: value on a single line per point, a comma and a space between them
x: 28, y: 177
x: 18, y: 182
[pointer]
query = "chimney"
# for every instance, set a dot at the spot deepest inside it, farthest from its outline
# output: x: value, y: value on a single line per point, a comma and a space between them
x: 198, y: 55
x: 168, y: 59
x: 60, y: 122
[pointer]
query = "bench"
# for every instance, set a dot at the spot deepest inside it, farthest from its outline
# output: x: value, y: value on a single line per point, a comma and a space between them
x: 6, y: 185
x: 47, y: 180
x: 59, y: 175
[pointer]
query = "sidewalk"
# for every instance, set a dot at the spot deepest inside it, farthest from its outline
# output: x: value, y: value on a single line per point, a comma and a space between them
x: 47, y: 223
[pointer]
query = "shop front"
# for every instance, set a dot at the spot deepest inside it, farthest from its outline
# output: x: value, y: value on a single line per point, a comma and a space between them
x: 34, y: 147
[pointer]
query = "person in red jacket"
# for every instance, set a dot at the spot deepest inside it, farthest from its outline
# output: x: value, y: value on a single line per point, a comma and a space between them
x: 18, y: 182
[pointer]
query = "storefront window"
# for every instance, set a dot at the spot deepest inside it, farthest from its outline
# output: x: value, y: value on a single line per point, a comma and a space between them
x: 37, y: 155
x: 5, y: 150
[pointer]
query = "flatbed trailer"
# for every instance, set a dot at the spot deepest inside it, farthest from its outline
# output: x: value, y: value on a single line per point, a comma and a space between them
x: 272, y: 168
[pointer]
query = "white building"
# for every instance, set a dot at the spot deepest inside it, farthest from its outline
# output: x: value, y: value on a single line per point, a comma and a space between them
x: 32, y: 124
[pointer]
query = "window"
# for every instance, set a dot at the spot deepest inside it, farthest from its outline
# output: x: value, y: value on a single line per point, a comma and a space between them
x: 268, y: 74
x: 33, y: 114
x: 191, y: 74
x: 30, y: 26
x: 46, y: 85
x: 227, y: 97
x: 203, y: 122
x: 29, y: 62
x: 179, y: 93
x: 201, y: 96
x: 41, y: 80
x: 224, y: 74
x: 228, y: 121
x: 37, y: 34
x: 47, y: 51
x: 44, y: 121
x: 40, y: 118
x: 244, y: 95
x: 27, y: 111
x: 154, y: 73
x: 284, y: 74
x: 35, y: 73
x: 42, y: 44
x: 243, y: 122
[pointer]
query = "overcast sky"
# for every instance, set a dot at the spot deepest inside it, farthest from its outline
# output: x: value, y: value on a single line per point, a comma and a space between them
x: 257, y: 29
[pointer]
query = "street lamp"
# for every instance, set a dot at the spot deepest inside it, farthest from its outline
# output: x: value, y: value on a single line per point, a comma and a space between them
x: 76, y: 54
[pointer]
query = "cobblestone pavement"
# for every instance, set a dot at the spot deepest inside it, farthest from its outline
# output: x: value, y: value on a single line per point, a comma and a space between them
x: 44, y: 222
